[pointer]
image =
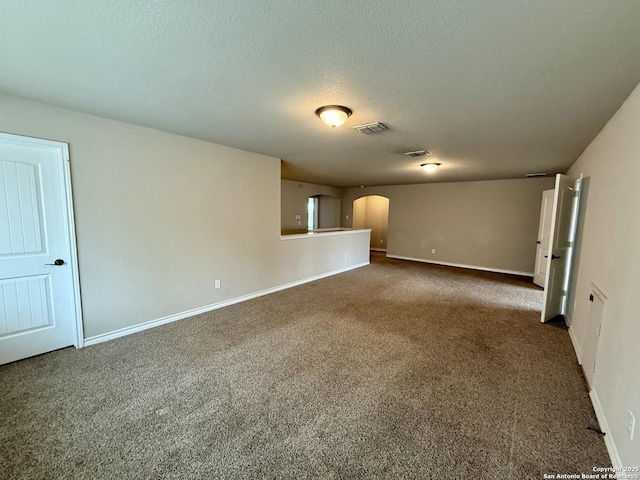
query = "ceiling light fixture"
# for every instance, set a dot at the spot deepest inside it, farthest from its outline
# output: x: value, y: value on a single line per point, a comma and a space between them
x: 430, y: 167
x: 333, y: 115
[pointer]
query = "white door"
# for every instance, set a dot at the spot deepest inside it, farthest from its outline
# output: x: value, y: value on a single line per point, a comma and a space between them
x: 592, y: 334
x: 544, y: 232
x: 39, y: 294
x: 563, y: 220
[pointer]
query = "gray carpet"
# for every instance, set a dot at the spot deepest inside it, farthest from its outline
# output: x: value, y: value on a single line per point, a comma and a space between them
x: 395, y: 370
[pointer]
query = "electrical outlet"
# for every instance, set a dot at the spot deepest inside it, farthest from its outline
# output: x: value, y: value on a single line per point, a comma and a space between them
x: 298, y: 217
x: 346, y: 217
x: 217, y: 283
x: 346, y: 256
x: 631, y: 427
x: 433, y: 250
x: 381, y: 242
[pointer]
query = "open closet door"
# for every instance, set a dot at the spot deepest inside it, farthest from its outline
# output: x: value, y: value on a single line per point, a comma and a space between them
x: 563, y: 222
x: 544, y: 240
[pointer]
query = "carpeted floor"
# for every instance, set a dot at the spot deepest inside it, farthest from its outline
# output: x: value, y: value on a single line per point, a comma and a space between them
x: 395, y: 370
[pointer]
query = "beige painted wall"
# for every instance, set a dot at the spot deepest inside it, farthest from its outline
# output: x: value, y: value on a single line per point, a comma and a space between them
x: 608, y: 254
x: 489, y: 224
x: 328, y: 211
x: 294, y: 196
x: 159, y: 217
x: 372, y: 212
x: 359, y: 212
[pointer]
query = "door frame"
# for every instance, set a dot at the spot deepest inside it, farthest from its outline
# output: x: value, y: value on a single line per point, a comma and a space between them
x: 72, y: 254
x: 573, y: 222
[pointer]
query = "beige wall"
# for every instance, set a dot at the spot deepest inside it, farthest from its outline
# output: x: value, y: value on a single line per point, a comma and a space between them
x: 159, y: 217
x: 294, y: 196
x: 328, y: 211
x: 490, y: 224
x: 608, y: 255
x: 372, y: 212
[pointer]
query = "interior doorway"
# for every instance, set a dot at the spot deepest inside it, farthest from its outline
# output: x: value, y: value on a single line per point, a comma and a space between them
x: 323, y: 211
x: 372, y: 212
x: 564, y: 220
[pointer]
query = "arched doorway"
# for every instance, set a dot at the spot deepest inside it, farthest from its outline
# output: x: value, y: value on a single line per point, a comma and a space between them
x: 372, y: 212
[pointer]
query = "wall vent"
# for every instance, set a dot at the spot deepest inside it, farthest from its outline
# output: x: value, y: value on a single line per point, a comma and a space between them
x: 531, y: 175
x: 417, y: 153
x: 369, y: 128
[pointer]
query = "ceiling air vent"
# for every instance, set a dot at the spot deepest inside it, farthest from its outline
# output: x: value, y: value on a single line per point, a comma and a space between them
x: 531, y: 175
x: 374, y: 127
x: 417, y: 153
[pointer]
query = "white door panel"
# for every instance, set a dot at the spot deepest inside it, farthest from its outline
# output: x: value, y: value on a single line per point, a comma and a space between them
x: 544, y: 232
x: 25, y: 304
x: 592, y: 333
x: 39, y: 305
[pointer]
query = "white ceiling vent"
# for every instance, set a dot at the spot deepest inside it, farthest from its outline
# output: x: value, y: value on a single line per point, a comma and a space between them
x: 374, y: 127
x: 417, y: 153
x: 531, y: 175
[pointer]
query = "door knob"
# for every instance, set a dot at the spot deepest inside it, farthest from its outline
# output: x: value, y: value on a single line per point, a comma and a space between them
x: 56, y: 263
x: 538, y: 242
x: 554, y: 257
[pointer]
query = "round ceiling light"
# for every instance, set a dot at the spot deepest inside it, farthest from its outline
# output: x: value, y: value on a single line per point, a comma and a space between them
x: 430, y: 167
x: 333, y: 115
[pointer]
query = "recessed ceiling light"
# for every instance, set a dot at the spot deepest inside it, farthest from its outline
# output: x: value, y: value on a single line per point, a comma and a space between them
x: 333, y: 115
x: 430, y: 167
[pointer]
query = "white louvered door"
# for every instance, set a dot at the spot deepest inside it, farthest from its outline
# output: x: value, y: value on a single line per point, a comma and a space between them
x: 38, y: 310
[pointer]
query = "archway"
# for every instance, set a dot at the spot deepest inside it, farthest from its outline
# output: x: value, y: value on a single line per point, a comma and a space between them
x: 372, y: 212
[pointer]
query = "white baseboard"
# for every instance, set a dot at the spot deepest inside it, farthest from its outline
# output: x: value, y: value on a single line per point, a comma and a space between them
x: 196, y: 311
x: 576, y: 345
x: 460, y: 265
x: 604, y: 426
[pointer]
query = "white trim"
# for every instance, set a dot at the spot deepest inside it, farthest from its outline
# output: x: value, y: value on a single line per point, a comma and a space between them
x: 72, y: 254
x: 461, y: 265
x: 378, y: 249
x: 576, y: 345
x: 616, y: 461
x: 598, y: 292
x: 214, y: 306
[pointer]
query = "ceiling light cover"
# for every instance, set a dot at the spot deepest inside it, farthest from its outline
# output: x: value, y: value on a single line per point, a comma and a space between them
x: 430, y: 167
x: 333, y: 115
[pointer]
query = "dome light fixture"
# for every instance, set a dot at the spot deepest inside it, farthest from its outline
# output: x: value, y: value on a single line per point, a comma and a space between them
x: 430, y: 167
x: 333, y: 115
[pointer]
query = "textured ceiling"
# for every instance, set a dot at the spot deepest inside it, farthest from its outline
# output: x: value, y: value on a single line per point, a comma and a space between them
x: 493, y: 88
